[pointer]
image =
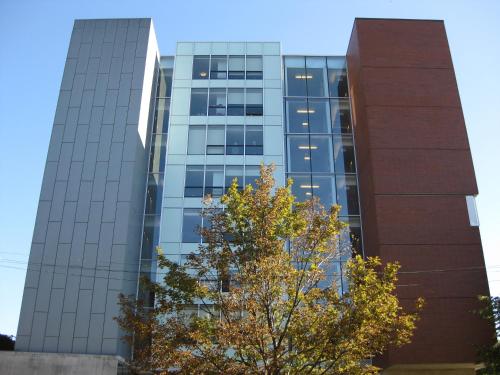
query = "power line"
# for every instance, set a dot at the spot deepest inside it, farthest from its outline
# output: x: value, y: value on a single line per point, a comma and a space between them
x: 108, y: 267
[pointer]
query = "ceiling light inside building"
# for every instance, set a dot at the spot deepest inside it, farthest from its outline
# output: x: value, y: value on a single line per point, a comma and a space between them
x: 308, y: 147
x: 303, y: 76
x: 303, y: 110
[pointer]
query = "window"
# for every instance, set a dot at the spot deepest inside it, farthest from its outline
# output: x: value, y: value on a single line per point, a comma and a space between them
x: 295, y: 76
x: 234, y: 140
x: 297, y: 116
x: 351, y: 235
x: 214, y: 180
x: 321, y: 153
x: 299, y: 153
x: 194, y: 181
x: 316, y: 81
x: 158, y: 153
x: 220, y: 140
x: 319, y: 116
x: 218, y: 67
x: 472, y: 210
x: 154, y: 194
x: 252, y: 172
x: 200, y: 67
x: 254, y: 67
x: 196, y: 140
x: 347, y: 194
x: 234, y: 172
x: 235, y: 102
x: 215, y: 140
x: 337, y: 77
x: 150, y: 235
x: 198, y: 102
x: 236, y: 67
x: 341, y: 116
x: 217, y: 102
x: 161, y: 115
x: 183, y: 259
x: 164, y: 83
x: 302, y: 187
x: 344, y: 154
x: 254, y: 140
x: 191, y: 222
x: 324, y: 188
x: 254, y: 102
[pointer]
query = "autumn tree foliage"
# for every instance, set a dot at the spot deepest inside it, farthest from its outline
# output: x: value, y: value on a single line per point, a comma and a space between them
x: 267, y: 301
x: 490, y: 355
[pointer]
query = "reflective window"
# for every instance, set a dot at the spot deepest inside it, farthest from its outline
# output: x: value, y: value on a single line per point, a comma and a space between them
x: 164, y: 83
x: 200, y: 67
x: 295, y: 71
x: 215, y: 140
x: 234, y: 140
x: 218, y: 67
x: 316, y: 81
x: 297, y: 116
x: 194, y: 181
x: 154, y: 194
x: 353, y: 233
x: 347, y: 195
x: 252, y: 172
x: 254, y: 106
x: 232, y: 172
x: 214, y: 180
x: 321, y: 153
x: 319, y: 116
x: 324, y: 189
x: 344, y: 154
x: 196, y: 139
x: 161, y: 115
x: 150, y: 235
x: 158, y: 153
x: 254, y: 67
x: 236, y: 67
x: 254, y: 140
x: 302, y: 187
x: 198, y: 102
x: 191, y: 223
x: 217, y: 102
x: 235, y: 102
x: 341, y: 116
x: 299, y: 153
x: 337, y: 77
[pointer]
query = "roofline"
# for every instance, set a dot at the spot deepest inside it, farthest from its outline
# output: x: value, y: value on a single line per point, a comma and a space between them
x: 398, y: 19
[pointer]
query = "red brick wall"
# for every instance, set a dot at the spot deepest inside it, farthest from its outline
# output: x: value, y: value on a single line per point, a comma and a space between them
x: 415, y: 168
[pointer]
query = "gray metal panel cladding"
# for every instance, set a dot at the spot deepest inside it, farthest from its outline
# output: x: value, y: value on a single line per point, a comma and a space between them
x: 92, y: 194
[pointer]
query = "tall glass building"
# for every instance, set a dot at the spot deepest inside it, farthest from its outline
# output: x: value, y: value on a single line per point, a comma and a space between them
x: 138, y: 139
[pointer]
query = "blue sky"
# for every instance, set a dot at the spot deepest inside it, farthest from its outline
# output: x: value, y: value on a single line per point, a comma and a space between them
x: 34, y: 37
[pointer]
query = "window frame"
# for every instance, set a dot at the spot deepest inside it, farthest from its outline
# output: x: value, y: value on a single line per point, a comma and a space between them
x: 259, y: 147
x: 198, y: 92
x: 254, y: 109
x: 254, y: 74
x: 200, y: 77
x: 217, y: 72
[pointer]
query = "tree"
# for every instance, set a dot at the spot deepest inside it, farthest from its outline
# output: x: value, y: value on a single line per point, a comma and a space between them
x: 268, y: 302
x: 490, y: 355
x: 6, y: 342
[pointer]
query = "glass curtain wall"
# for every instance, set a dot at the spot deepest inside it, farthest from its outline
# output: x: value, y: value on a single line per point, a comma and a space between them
x: 319, y: 141
x: 156, y: 170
